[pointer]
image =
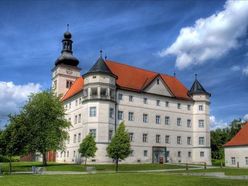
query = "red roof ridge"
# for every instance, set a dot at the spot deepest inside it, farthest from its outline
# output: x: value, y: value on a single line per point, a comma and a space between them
x: 111, y: 61
x: 241, y: 138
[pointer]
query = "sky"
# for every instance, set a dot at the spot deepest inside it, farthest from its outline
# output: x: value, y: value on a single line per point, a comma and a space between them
x: 209, y: 38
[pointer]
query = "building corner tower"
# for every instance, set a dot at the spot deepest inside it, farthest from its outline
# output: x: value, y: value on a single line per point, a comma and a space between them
x: 66, y: 69
x: 201, y: 123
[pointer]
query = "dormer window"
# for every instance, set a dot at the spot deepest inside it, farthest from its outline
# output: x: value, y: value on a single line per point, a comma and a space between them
x: 157, y: 81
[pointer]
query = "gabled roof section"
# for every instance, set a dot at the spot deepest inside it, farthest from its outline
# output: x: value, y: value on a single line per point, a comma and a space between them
x: 197, y: 88
x: 75, y: 88
x: 100, y: 67
x: 240, y: 139
x: 135, y: 79
x: 162, y: 88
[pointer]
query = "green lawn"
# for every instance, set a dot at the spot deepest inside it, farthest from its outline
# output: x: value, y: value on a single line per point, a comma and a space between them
x: 122, y: 179
x: 26, y: 166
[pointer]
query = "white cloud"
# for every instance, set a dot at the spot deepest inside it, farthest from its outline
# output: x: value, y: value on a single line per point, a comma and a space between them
x: 214, y: 123
x: 210, y: 38
x: 245, y: 71
x: 12, y: 97
x: 246, y: 117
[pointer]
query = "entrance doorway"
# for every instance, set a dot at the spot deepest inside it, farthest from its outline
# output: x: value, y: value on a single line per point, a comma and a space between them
x: 159, y: 155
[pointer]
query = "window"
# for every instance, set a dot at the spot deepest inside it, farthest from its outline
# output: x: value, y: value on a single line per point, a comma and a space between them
x: 130, y: 136
x: 110, y: 134
x: 157, y: 138
x: 68, y: 83
x: 179, y: 140
x: 179, y: 154
x: 103, y: 92
x: 158, y: 102
x: 145, y: 118
x: 246, y: 160
x: 69, y: 119
x: 189, y: 154
x: 79, y: 118
x: 201, y: 154
x: 93, y: 92
x: 167, y: 139
x: 189, y: 140
x: 132, y: 153
x: 92, y: 111
x: 145, y: 153
x: 201, y: 123
x: 144, y: 138
x: 145, y: 100
x: 75, y: 138
x: 201, y: 140
x: 157, y: 81
x: 201, y: 107
x: 120, y: 115
x: 120, y: 96
x: 130, y: 116
x: 74, y: 153
x: 179, y: 121
x: 167, y: 120
x: 189, y: 107
x: 79, y: 137
x: 85, y: 92
x: 167, y: 103
x: 69, y: 105
x: 112, y: 93
x: 68, y: 141
x: 93, y: 133
x: 131, y: 98
x: 233, y: 160
x: 157, y: 119
x: 179, y: 105
x: 76, y: 103
x: 111, y: 113
x: 68, y: 154
x: 55, y: 84
x: 75, y: 119
x: 189, y: 123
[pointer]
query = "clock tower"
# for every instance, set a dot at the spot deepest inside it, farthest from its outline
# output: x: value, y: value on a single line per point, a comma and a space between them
x: 66, y: 69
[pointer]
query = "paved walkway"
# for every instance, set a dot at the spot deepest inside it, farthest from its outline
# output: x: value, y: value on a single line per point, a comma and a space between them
x: 217, y: 175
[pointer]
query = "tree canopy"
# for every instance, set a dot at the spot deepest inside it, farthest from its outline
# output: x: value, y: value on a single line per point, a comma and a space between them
x: 221, y: 136
x: 45, y: 121
x: 88, y: 147
x: 119, y: 147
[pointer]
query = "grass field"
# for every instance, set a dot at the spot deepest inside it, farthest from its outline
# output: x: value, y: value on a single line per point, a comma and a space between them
x: 27, y: 166
x: 122, y: 179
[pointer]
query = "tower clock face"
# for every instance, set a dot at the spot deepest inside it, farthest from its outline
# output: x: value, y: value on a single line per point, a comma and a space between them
x: 68, y: 71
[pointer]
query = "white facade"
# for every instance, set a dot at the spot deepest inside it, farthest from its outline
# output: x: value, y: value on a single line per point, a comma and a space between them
x: 236, y: 156
x: 161, y: 127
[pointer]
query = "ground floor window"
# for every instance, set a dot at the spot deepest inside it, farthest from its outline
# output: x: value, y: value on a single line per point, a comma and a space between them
x: 201, y: 154
x: 246, y: 160
x: 233, y: 160
x: 189, y: 154
x: 145, y: 153
x: 179, y: 154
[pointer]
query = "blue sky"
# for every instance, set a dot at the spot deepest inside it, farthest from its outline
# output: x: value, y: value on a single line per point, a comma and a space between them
x: 147, y: 34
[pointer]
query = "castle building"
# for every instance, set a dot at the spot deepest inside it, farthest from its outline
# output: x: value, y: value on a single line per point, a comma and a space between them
x: 165, y: 121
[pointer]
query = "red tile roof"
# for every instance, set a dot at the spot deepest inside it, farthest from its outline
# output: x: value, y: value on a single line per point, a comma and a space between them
x: 240, y: 139
x: 135, y: 79
x: 75, y: 88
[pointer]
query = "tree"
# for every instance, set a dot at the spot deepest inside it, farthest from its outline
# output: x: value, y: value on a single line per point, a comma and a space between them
x: 221, y: 136
x: 88, y: 147
x: 119, y: 147
x: 13, y: 139
x: 46, y: 124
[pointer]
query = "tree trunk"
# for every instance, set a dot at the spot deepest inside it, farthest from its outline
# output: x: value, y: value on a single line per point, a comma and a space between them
x: 44, y: 158
x: 85, y: 162
x: 116, y: 164
x: 10, y: 165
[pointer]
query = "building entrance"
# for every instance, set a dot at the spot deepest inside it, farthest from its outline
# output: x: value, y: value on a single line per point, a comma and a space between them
x: 159, y: 155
